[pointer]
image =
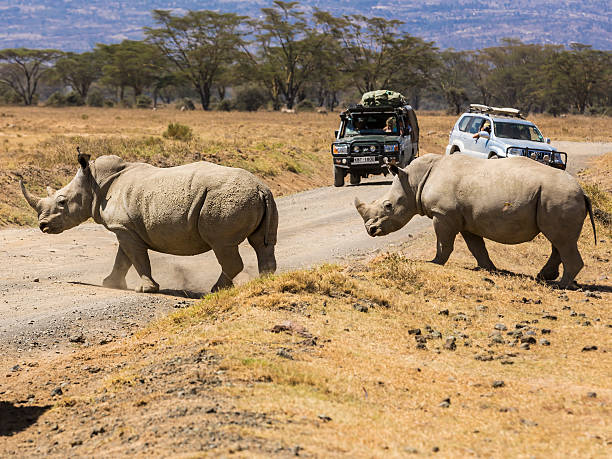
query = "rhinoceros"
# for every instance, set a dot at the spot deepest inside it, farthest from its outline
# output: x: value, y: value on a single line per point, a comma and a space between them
x: 508, y: 201
x: 183, y: 210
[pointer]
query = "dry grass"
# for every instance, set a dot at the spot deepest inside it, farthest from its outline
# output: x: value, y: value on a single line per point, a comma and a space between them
x: 210, y: 378
x: 290, y: 152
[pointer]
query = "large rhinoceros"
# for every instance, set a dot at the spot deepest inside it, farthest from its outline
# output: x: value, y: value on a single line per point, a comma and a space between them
x: 183, y: 210
x: 509, y: 201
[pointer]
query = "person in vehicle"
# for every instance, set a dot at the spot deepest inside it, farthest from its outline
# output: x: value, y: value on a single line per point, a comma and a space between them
x: 486, y: 127
x: 390, y: 125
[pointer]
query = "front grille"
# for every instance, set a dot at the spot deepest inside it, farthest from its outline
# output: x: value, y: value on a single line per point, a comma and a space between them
x: 365, y: 150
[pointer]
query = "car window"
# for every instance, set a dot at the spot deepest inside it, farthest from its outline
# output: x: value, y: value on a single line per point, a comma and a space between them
x: 360, y: 124
x: 518, y: 131
x: 474, y: 126
x: 464, y: 122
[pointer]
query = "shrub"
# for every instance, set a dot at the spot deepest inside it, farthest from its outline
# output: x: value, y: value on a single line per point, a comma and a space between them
x: 95, y: 99
x: 74, y: 99
x: 144, y: 101
x: 250, y: 99
x: 185, y: 104
x: 178, y: 131
x: 56, y: 100
x: 225, y: 105
x: 306, y: 106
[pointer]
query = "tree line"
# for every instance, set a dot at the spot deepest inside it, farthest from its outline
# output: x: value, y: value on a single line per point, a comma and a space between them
x: 287, y: 58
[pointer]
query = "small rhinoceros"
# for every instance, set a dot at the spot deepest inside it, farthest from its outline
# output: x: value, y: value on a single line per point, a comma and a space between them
x: 183, y: 210
x: 509, y: 201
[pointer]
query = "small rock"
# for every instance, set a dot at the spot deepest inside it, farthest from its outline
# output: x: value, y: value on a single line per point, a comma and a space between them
x: 528, y: 423
x: 445, y: 403
x: 360, y: 307
x: 324, y: 417
x: 435, y: 449
x: 497, y: 339
x: 57, y: 391
x: 519, y: 326
x: 588, y: 294
x: 450, y: 343
x: 421, y: 346
x: 483, y: 357
x: 546, y: 331
x: 408, y: 450
x: 16, y: 368
x: 443, y: 312
x: 501, y: 327
x: 530, y: 333
x: 284, y: 353
x: 592, y: 394
x: 498, y: 384
x: 528, y: 340
x: 482, y: 308
x: 549, y: 317
x: 544, y: 342
x: 78, y: 338
x: 36, y: 279
x: 589, y: 348
x: 97, y: 431
x: 414, y: 331
x: 525, y: 346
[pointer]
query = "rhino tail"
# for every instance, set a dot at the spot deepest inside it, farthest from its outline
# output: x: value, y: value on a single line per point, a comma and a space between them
x: 270, y: 216
x: 589, y: 207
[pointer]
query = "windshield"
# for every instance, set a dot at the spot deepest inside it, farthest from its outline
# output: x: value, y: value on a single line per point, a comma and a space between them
x: 380, y: 124
x: 508, y: 130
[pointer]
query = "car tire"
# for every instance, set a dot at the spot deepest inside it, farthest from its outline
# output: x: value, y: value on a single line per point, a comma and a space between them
x: 339, y: 176
x: 355, y: 179
x: 493, y: 156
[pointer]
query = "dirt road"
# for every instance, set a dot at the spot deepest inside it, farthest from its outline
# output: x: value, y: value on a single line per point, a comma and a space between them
x: 50, y: 285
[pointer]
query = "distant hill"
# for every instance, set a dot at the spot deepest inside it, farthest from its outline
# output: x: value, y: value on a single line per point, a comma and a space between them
x: 77, y: 25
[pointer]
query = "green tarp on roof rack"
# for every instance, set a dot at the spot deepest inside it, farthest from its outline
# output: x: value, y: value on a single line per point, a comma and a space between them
x: 383, y: 97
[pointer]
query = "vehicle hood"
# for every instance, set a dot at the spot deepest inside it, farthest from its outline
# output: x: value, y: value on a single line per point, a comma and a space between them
x: 369, y: 139
x: 526, y: 144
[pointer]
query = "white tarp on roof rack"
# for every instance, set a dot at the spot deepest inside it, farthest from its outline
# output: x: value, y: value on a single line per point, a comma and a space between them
x: 502, y: 111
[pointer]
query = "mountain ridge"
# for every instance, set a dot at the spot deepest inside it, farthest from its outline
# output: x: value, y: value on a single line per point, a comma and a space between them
x: 73, y: 25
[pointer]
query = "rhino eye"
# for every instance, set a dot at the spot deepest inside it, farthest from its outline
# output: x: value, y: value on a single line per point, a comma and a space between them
x: 388, y: 206
x: 61, y: 202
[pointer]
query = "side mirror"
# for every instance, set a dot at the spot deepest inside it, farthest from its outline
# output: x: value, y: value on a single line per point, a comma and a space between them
x: 547, y: 140
x: 336, y: 134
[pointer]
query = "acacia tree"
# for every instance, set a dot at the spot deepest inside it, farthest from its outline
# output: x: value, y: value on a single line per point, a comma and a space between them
x: 580, y: 75
x: 286, y: 55
x: 199, y: 44
x: 79, y: 71
x: 22, y: 69
x: 451, y: 78
x: 368, y: 49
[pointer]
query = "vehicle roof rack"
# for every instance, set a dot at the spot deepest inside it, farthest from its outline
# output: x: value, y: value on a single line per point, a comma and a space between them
x: 505, y: 111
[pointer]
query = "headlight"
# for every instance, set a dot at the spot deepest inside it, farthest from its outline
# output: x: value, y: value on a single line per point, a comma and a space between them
x: 356, y: 149
x: 515, y: 151
x: 391, y: 148
x: 340, y: 149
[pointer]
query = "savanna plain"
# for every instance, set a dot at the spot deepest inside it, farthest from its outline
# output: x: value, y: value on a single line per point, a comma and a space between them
x: 387, y: 356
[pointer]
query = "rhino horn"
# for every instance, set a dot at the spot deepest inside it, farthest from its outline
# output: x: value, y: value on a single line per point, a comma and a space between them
x: 359, y: 205
x: 32, y: 200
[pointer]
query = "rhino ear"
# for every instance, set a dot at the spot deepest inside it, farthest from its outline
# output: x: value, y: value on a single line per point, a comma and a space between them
x: 359, y: 205
x: 83, y: 159
x: 50, y: 191
x: 393, y: 168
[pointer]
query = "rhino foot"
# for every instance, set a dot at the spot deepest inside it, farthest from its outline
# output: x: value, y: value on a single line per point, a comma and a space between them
x: 111, y: 282
x: 148, y: 286
x: 221, y: 285
x: 548, y: 275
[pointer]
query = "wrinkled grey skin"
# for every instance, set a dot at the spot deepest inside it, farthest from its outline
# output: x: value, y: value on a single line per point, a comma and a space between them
x: 184, y: 210
x: 508, y: 201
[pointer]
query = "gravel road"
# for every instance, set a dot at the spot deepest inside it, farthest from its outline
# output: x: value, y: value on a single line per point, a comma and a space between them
x: 50, y: 285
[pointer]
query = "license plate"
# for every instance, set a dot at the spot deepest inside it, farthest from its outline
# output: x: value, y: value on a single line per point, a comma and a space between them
x: 365, y: 160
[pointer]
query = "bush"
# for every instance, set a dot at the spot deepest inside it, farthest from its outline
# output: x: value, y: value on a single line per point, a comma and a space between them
x: 185, y: 104
x: 56, y: 100
x: 178, y: 131
x: 225, y: 105
x: 74, y: 99
x: 144, y: 101
x: 250, y: 99
x: 306, y: 106
x: 95, y: 99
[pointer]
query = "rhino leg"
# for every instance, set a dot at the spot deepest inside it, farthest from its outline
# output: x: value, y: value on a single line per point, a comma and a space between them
x: 231, y: 264
x: 116, y: 279
x: 445, y: 236
x: 477, y: 247
x: 266, y: 261
x: 137, y: 254
x: 550, y: 271
x: 572, y: 263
